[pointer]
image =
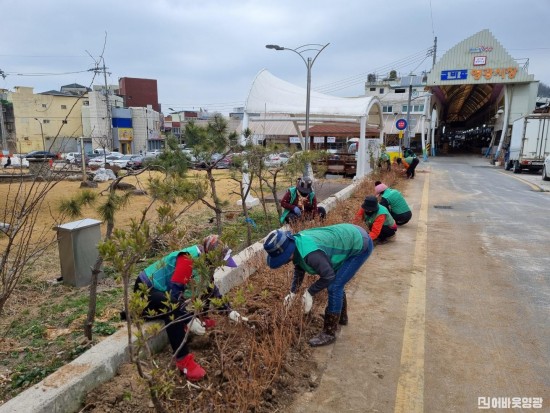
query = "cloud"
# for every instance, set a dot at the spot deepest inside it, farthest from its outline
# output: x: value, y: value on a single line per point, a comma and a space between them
x: 206, y: 54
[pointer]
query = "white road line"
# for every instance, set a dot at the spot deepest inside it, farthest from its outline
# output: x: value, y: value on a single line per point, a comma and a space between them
x: 410, y: 387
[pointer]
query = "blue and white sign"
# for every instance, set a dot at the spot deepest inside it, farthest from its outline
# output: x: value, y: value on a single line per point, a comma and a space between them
x: 461, y: 74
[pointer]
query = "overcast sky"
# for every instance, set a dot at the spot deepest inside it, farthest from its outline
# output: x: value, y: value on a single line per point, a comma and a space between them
x: 207, y: 53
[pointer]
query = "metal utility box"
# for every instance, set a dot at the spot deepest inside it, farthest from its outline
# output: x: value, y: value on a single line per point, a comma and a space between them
x: 78, y: 253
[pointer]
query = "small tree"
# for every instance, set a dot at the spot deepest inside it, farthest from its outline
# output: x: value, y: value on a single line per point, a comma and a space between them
x: 212, y: 145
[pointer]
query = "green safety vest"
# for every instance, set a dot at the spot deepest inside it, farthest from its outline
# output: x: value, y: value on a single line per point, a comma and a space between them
x: 293, y: 194
x: 160, y: 272
x: 396, y: 201
x: 409, y: 160
x: 339, y: 242
x: 382, y: 210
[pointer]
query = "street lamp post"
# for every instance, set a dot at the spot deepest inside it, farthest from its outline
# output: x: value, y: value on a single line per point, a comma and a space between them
x: 42, y: 133
x: 300, y: 51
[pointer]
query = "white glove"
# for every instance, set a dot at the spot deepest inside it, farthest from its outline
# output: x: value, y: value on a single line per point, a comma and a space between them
x: 289, y: 299
x: 197, y: 327
x: 307, y: 301
x: 235, y: 316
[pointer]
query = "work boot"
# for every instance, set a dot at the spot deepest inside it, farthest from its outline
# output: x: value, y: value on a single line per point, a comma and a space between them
x: 344, y: 313
x: 328, y: 335
x: 192, y: 370
x: 208, y: 322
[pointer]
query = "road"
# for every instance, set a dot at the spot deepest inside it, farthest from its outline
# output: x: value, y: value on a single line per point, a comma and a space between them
x: 452, y: 316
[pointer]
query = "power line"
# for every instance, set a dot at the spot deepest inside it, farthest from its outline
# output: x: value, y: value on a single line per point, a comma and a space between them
x: 44, y: 74
x: 361, y: 78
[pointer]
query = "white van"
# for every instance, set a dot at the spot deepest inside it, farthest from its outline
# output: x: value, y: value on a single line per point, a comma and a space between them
x: 71, y: 156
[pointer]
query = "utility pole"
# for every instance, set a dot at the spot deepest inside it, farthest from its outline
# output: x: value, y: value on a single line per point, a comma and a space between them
x: 98, y: 70
x: 109, y: 122
x: 3, y: 131
x: 407, y: 131
x: 434, y: 52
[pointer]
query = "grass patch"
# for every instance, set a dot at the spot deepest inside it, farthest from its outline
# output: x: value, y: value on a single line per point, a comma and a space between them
x: 48, y: 335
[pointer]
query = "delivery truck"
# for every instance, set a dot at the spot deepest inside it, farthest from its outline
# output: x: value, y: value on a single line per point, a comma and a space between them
x: 529, y: 144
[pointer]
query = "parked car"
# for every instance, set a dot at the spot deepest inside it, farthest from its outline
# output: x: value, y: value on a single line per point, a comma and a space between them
x: 122, y: 162
x: 546, y: 169
x: 78, y: 159
x: 153, y: 153
x: 136, y: 162
x: 70, y: 156
x: 189, y: 154
x: 41, y: 155
x: 224, y: 163
x: 275, y: 160
x: 101, y: 161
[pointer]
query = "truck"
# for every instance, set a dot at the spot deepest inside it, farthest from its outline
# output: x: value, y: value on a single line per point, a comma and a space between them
x: 529, y: 144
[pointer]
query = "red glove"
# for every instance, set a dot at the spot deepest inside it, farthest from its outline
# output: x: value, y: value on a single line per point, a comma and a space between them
x: 184, y: 269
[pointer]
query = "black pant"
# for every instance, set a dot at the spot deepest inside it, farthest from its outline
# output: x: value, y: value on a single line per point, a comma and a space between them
x: 386, y: 233
x: 412, y: 167
x: 402, y: 219
x: 176, y: 330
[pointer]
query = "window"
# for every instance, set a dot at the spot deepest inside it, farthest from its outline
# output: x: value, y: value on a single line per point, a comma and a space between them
x: 63, y: 106
x: 44, y: 105
x: 414, y: 108
x: 387, y: 109
x: 381, y: 90
x: 86, y: 103
x: 46, y: 121
x: 372, y: 89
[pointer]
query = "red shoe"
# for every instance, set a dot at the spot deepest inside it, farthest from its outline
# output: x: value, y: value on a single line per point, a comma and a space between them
x: 192, y: 370
x: 208, y: 322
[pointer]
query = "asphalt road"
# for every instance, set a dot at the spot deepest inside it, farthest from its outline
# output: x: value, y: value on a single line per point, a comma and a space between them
x: 452, y: 316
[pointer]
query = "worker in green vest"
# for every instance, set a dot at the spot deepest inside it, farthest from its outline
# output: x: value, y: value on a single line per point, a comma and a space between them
x: 300, y: 202
x: 335, y: 253
x: 394, y: 203
x: 170, y: 276
x: 410, y: 163
x: 381, y: 224
x: 384, y: 160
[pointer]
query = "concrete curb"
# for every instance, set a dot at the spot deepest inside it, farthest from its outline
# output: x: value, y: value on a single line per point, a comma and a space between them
x: 65, y: 390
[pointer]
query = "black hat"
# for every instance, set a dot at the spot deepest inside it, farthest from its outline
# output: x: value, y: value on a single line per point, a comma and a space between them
x: 304, y: 186
x: 370, y: 204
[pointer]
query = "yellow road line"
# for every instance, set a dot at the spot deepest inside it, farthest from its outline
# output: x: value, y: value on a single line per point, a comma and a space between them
x: 534, y: 187
x: 410, y: 387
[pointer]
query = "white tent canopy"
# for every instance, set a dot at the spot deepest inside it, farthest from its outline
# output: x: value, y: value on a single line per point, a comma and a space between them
x: 269, y: 94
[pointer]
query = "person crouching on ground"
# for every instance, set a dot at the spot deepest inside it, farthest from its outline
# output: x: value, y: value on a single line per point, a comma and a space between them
x: 381, y: 224
x: 335, y: 253
x: 409, y: 164
x: 171, y: 275
x: 394, y: 203
x: 300, y: 202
